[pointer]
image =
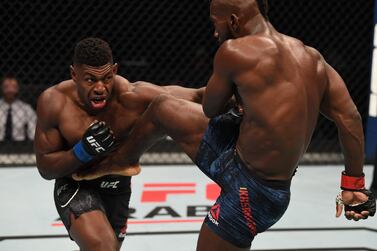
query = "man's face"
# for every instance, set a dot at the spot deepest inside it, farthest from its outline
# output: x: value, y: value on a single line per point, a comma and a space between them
x: 10, y: 89
x: 219, y: 21
x: 94, y: 84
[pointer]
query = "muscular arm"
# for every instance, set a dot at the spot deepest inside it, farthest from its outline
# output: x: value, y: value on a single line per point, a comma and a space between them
x: 337, y: 105
x: 52, y: 161
x: 220, y: 87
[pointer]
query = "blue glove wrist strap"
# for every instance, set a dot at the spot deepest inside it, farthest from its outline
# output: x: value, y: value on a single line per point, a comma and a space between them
x: 81, y: 154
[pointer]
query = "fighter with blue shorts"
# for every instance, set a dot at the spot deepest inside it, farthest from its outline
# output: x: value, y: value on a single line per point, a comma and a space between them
x: 282, y: 86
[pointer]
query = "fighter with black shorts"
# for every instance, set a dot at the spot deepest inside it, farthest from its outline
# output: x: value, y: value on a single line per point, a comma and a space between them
x: 82, y: 120
x: 282, y: 86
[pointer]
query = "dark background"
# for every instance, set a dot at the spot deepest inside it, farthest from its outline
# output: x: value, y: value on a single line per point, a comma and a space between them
x: 167, y: 42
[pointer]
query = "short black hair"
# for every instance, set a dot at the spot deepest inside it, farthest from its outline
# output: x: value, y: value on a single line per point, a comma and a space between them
x: 93, y: 52
x: 263, y: 7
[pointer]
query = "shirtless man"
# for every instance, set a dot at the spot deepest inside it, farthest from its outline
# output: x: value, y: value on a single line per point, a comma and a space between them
x: 79, y: 122
x: 282, y: 86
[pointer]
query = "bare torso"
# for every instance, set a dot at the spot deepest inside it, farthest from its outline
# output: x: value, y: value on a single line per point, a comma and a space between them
x: 281, y: 96
x: 63, y: 119
x: 73, y: 120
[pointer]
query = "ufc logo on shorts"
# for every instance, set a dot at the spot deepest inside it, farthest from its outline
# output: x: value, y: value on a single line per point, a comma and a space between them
x: 95, y: 144
x: 61, y: 189
x: 106, y: 184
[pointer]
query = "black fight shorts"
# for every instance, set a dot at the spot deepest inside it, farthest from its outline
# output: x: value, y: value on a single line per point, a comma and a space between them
x: 109, y: 194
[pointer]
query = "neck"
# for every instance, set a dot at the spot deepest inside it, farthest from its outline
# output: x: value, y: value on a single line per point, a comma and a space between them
x: 255, y: 25
x: 9, y: 100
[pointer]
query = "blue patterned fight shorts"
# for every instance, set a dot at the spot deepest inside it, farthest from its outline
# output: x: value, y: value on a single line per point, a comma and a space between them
x: 247, y: 204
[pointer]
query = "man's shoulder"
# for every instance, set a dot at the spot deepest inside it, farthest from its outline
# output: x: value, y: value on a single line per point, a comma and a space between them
x: 121, y: 84
x: 139, y: 94
x: 54, y: 93
x: 140, y: 89
x: 59, y: 90
x: 53, y: 99
x: 246, y: 51
x: 255, y: 43
x: 123, y: 89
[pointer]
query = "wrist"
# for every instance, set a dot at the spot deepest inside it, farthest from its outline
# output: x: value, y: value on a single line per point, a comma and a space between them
x: 352, y: 183
x: 80, y: 153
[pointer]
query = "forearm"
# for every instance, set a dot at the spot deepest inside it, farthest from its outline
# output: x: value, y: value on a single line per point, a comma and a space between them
x: 58, y: 164
x: 351, y: 137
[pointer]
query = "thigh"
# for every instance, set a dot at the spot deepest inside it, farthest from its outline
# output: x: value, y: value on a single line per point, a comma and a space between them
x: 117, y: 212
x: 92, y: 231
x: 209, y: 241
x: 246, y: 206
x: 221, y: 136
x: 83, y: 214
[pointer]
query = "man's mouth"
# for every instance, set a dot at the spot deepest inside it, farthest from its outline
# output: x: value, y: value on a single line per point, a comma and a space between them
x: 98, y: 102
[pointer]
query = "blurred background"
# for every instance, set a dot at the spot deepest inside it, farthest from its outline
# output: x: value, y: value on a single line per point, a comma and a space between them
x: 164, y: 42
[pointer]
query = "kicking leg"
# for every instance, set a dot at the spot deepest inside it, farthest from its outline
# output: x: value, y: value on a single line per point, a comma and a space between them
x: 182, y: 120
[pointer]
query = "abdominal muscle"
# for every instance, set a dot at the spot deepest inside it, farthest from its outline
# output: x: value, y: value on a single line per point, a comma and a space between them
x: 272, y: 154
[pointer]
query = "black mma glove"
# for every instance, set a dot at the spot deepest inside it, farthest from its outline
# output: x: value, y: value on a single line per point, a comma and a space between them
x: 369, y: 205
x: 350, y: 183
x: 98, y: 140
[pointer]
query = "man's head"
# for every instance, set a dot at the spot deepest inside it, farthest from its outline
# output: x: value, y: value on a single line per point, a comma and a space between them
x: 230, y: 17
x: 9, y: 88
x: 93, y: 71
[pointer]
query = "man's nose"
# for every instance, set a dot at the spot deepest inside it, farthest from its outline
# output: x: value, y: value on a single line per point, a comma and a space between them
x: 99, y: 88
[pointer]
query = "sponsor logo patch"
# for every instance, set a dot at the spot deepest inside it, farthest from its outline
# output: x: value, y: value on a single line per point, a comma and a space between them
x: 246, y: 210
x: 107, y: 184
x: 95, y: 144
x: 214, y: 214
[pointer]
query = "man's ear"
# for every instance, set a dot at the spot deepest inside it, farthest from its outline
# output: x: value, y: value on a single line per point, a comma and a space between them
x: 234, y: 23
x: 115, y: 68
x: 73, y: 72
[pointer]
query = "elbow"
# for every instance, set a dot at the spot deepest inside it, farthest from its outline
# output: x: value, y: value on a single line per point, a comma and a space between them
x: 45, y: 174
x: 357, y: 116
x: 353, y: 116
x: 350, y: 121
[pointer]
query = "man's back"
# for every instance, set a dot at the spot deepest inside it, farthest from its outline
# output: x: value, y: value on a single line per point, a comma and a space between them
x: 281, y: 87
